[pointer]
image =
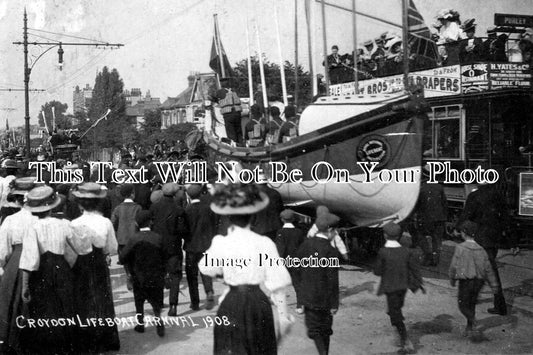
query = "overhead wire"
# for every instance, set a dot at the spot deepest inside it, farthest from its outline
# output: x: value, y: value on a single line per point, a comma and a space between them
x: 70, y: 36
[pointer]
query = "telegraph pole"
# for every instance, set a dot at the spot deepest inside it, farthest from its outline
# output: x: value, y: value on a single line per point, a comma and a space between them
x: 28, y: 69
x: 26, y: 86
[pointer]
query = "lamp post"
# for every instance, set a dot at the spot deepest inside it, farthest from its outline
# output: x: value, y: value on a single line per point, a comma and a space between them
x: 28, y: 69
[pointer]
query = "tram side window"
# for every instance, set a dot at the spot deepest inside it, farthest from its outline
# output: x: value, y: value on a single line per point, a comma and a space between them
x: 445, y: 132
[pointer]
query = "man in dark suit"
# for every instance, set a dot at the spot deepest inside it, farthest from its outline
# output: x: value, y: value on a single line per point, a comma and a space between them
x: 201, y: 221
x: 169, y: 221
x: 399, y: 272
x: 319, y: 286
x: 335, y: 68
x: 486, y: 207
x: 431, y: 215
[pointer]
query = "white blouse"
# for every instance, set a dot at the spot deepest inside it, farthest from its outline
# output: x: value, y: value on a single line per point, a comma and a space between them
x: 46, y: 234
x: 244, y: 258
x: 12, y: 232
x: 93, y: 229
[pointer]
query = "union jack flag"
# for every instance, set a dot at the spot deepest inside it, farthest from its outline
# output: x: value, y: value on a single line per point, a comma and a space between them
x: 420, y: 41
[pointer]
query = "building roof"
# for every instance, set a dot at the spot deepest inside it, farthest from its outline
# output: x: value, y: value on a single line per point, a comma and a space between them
x: 182, y: 100
x: 139, y: 108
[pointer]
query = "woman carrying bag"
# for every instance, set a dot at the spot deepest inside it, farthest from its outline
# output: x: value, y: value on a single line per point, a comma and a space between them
x: 246, y: 314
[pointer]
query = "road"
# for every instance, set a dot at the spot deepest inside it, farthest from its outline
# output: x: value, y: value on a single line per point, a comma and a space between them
x: 361, y: 325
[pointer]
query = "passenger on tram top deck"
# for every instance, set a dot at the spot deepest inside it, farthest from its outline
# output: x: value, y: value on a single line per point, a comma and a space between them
x: 471, y: 48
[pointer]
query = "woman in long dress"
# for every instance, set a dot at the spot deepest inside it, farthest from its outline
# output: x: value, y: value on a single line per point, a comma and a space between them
x: 12, y: 232
x: 93, y: 239
x: 246, y: 318
x: 47, y: 277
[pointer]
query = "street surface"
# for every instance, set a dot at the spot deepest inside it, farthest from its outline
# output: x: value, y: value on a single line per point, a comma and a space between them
x: 361, y: 325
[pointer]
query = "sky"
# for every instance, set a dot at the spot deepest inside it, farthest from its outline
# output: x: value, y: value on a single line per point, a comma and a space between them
x: 165, y: 40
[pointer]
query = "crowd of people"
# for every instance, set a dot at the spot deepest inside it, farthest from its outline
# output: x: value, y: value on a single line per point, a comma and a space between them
x: 456, y: 41
x: 56, y: 241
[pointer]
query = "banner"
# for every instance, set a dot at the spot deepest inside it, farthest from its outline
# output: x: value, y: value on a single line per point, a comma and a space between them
x: 442, y: 81
x: 509, y: 75
x: 474, y: 78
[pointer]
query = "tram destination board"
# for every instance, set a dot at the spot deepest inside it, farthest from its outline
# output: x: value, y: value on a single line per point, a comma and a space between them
x: 508, y: 75
x: 513, y: 20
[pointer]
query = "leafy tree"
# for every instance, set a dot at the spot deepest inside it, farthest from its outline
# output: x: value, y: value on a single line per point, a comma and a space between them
x: 62, y: 121
x: 107, y: 94
x: 152, y: 122
x: 273, y: 79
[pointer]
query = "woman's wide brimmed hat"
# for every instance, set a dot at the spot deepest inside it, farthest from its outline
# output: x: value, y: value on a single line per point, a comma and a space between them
x: 42, y: 199
x: 236, y: 199
x: 89, y: 190
x: 21, y: 186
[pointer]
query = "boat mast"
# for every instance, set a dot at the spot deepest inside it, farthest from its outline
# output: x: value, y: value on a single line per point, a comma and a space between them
x: 405, y: 42
x: 281, y: 64
x: 249, y: 60
x: 326, y: 71
x: 355, y: 72
x: 312, y: 71
x: 262, y: 72
x: 296, y: 86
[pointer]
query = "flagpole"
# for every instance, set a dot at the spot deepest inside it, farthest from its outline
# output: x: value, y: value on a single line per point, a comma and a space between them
x: 296, y: 86
x: 261, y: 70
x: 405, y: 42
x: 219, y: 47
x: 325, y: 54
x: 249, y: 60
x: 355, y: 72
x: 53, y: 117
x: 281, y: 64
x: 312, y: 71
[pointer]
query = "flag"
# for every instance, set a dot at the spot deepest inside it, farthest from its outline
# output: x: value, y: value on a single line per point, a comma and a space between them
x: 217, y: 51
x: 420, y: 41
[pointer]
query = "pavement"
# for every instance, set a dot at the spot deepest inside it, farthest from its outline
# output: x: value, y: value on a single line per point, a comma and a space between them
x: 361, y: 325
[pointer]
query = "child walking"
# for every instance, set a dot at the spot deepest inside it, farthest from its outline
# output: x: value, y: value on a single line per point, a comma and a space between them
x: 470, y: 265
x: 318, y: 287
x: 399, y: 272
x: 144, y: 256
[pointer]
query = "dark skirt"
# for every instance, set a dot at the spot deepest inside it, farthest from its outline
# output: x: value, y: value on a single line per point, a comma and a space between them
x: 94, y: 299
x: 11, y: 302
x: 251, y: 323
x: 51, y: 299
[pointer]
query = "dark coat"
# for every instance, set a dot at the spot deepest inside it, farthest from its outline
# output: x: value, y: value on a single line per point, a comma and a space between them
x: 486, y: 207
x: 202, y: 223
x: 318, y: 287
x: 399, y: 270
x: 267, y: 220
x: 431, y: 206
x: 475, y: 55
x: 169, y: 221
x: 288, y: 240
x: 145, y: 257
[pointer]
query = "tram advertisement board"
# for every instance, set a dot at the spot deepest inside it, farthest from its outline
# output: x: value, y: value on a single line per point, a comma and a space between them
x: 442, y: 81
x: 474, y: 77
x: 509, y: 75
x: 525, y: 204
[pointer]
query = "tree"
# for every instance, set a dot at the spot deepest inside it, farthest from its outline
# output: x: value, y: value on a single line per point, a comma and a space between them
x: 107, y: 94
x: 273, y: 79
x: 62, y: 121
x: 152, y: 122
